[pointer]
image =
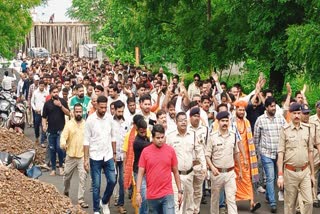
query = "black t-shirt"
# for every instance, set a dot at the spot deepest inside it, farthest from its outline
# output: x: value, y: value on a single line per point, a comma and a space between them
x: 54, y: 115
x: 254, y: 113
x: 138, y: 145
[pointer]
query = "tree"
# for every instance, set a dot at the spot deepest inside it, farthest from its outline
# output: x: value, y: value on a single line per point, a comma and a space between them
x: 205, y: 34
x: 15, y: 23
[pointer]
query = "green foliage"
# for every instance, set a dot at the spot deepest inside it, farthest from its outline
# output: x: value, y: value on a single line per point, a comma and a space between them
x: 303, y: 47
x: 15, y: 23
x: 210, y: 34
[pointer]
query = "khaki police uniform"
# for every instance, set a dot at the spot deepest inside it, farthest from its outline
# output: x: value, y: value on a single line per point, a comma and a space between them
x: 185, y: 146
x: 295, y: 144
x: 198, y: 178
x: 221, y: 149
x: 315, y: 125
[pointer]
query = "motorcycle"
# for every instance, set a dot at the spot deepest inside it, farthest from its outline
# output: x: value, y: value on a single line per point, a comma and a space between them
x: 7, y: 104
x: 17, y: 118
x: 22, y: 162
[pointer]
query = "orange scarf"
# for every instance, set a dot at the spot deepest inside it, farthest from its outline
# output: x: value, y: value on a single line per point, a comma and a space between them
x: 128, y: 165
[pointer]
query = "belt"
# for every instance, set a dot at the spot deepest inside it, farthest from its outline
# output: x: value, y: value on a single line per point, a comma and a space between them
x: 185, y: 172
x: 196, y: 162
x: 296, y: 169
x: 224, y: 170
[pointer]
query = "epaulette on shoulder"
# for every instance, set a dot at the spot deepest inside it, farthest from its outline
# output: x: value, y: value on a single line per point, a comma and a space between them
x: 305, y: 124
x: 214, y: 132
x: 286, y: 126
x: 232, y: 132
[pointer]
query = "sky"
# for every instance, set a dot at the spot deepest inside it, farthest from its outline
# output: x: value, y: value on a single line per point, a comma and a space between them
x: 58, y: 7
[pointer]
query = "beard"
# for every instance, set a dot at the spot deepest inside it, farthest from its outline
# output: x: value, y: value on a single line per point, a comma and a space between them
x: 119, y: 117
x: 240, y: 116
x: 78, y: 118
x: 56, y: 97
x: 81, y: 96
x: 271, y: 113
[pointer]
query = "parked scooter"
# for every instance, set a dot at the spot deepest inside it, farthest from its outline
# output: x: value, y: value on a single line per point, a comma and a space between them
x: 17, y: 118
x: 7, y: 104
x: 22, y: 162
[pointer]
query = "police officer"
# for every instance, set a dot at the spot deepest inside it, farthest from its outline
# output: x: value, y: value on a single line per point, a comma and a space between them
x: 199, y: 174
x: 186, y: 145
x: 221, y: 152
x: 316, y: 161
x: 294, y: 153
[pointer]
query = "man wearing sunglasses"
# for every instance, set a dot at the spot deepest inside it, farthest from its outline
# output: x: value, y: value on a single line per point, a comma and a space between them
x: 194, y: 87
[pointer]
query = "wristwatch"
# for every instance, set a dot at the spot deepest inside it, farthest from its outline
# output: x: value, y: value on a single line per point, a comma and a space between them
x: 180, y: 191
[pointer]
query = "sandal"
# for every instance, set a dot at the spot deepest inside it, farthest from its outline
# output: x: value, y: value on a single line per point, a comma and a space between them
x: 255, y: 207
x: 84, y: 205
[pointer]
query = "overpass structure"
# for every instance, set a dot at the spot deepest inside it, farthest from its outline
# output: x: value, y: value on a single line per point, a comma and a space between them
x: 58, y: 37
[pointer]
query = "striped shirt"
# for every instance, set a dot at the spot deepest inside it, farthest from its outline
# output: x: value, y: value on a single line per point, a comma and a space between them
x: 267, y: 134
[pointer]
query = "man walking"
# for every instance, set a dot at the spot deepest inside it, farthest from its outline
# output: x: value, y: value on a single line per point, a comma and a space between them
x: 140, y: 143
x: 37, y: 102
x: 120, y: 127
x: 295, y: 162
x: 249, y: 162
x: 72, y: 138
x: 266, y: 139
x: 221, y: 153
x: 100, y: 152
x: 185, y: 144
x: 158, y: 174
x: 199, y: 174
x: 54, y: 111
x: 80, y: 98
x: 7, y: 81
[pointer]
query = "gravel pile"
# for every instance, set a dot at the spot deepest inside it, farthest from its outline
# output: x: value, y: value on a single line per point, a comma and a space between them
x: 20, y: 194
x: 15, y: 143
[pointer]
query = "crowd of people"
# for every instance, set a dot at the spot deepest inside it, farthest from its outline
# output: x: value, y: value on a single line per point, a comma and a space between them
x: 166, y: 144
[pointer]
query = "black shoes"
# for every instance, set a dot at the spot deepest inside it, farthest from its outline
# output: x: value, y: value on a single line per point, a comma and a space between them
x: 273, y: 209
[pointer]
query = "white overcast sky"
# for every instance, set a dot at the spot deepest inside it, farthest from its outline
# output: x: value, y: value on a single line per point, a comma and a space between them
x: 58, y: 7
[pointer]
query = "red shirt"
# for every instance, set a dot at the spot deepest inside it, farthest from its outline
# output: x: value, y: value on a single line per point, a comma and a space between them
x: 158, y: 163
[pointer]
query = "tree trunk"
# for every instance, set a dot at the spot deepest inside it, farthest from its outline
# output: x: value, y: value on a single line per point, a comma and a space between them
x: 209, y: 10
x: 277, y: 77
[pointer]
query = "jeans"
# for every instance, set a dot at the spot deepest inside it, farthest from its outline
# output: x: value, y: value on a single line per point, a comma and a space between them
x: 120, y: 181
x: 270, y: 167
x: 222, y: 198
x: 164, y: 205
x: 143, y: 191
x: 109, y: 172
x: 37, y: 127
x: 54, y: 146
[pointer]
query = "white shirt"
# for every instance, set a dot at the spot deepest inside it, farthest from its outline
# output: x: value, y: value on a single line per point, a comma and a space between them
x: 128, y: 116
x: 151, y: 116
x: 38, y: 99
x: 7, y: 82
x: 121, y: 127
x: 98, y: 135
x: 171, y: 124
x: 19, y: 88
x: 154, y: 98
x: 121, y: 97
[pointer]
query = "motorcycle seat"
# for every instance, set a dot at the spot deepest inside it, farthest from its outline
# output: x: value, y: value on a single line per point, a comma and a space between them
x: 23, y: 160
